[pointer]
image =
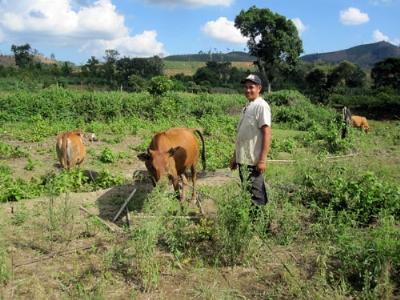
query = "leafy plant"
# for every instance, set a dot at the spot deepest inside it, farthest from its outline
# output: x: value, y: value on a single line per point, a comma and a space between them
x: 107, y: 156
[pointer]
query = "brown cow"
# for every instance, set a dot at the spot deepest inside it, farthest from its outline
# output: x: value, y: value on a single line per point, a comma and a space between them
x: 70, y: 149
x: 171, y: 153
x: 360, y: 122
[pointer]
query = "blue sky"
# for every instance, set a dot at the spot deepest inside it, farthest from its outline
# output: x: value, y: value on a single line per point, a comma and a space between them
x: 76, y: 29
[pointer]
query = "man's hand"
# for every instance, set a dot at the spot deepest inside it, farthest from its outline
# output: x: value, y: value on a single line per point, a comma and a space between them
x: 233, y: 164
x: 261, y: 166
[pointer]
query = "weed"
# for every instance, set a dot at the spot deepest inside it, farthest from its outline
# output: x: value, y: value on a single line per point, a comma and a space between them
x: 30, y: 165
x: 7, y: 151
x: 233, y: 225
x: 107, y: 156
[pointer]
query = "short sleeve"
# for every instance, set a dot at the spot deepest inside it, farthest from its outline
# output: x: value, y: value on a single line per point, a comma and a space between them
x: 264, y: 115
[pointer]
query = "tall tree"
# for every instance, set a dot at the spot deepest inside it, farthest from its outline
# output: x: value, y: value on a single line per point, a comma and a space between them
x: 23, y: 55
x: 317, y: 84
x: 272, y: 38
x: 109, y: 67
x: 91, y: 67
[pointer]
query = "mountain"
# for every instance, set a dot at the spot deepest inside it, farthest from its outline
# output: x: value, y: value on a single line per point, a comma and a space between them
x: 364, y: 55
x: 220, y: 57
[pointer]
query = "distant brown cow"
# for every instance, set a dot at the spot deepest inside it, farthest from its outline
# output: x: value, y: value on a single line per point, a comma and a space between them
x: 70, y: 149
x: 360, y: 122
x: 171, y: 153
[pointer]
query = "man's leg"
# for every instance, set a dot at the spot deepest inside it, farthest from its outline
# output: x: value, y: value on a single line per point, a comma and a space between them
x: 255, y: 186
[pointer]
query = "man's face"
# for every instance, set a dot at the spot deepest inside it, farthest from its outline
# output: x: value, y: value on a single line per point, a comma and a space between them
x: 251, y: 90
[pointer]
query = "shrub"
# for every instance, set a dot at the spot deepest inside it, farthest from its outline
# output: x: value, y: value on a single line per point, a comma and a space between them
x: 233, y: 230
x: 160, y: 85
x: 362, y: 258
x: 107, y: 156
x: 360, y: 198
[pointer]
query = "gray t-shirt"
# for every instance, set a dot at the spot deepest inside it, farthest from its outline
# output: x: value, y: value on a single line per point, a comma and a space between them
x: 255, y: 115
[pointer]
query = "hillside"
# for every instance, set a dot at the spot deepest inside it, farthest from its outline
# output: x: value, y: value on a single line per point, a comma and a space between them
x: 220, y: 57
x: 364, y: 55
x: 8, y: 60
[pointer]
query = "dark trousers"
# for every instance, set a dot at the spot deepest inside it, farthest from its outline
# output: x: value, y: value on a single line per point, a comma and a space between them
x: 256, y: 184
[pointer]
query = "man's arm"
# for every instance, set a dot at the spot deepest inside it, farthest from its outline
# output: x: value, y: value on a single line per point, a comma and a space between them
x: 266, y: 143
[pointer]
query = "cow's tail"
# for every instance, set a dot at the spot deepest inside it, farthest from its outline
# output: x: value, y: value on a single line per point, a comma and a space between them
x: 203, y: 149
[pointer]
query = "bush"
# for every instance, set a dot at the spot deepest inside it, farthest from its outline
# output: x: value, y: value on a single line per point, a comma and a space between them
x: 233, y: 225
x: 107, y: 156
x: 369, y: 261
x: 361, y: 198
x: 160, y: 85
x: 285, y: 97
x: 297, y: 112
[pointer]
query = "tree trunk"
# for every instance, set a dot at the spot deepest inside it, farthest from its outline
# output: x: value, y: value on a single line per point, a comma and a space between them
x: 268, y: 87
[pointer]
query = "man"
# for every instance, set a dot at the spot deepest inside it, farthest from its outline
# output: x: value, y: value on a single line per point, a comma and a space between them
x: 253, y: 140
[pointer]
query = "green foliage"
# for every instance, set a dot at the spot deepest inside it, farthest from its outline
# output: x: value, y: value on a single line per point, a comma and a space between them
x: 327, y: 138
x: 136, y: 83
x: 5, y: 272
x: 297, y: 112
x: 160, y: 85
x: 386, y: 73
x: 23, y: 55
x: 362, y: 258
x: 273, y: 39
x: 107, y: 156
x: 53, y: 184
x: 360, y: 198
x: 8, y: 151
x: 233, y: 225
x: 30, y: 165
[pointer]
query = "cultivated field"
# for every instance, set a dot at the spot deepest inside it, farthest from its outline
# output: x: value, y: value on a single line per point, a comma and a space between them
x: 190, y: 67
x: 331, y: 229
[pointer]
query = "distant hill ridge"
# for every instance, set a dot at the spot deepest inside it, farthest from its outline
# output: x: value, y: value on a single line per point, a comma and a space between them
x: 220, y: 57
x: 364, y: 55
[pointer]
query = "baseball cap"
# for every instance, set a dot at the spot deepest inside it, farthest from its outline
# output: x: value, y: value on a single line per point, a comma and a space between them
x: 253, y: 78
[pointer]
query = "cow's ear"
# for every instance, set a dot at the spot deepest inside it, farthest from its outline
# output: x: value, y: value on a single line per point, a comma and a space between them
x: 144, y: 156
x: 173, y: 151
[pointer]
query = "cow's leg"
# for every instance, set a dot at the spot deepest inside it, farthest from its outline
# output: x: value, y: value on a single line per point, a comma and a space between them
x: 175, y: 183
x: 184, y: 184
x: 194, y: 177
x: 195, y: 199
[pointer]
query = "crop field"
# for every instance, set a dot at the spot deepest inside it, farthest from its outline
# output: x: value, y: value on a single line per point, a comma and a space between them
x: 190, y: 67
x: 331, y: 228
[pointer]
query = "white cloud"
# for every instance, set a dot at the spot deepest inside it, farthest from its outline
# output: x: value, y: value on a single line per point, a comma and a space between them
x: 139, y: 45
x: 73, y: 23
x: 379, y: 36
x: 191, y: 3
x: 224, y: 30
x: 353, y: 16
x: 299, y: 25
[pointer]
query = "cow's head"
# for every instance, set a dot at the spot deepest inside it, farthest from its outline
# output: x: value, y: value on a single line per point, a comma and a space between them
x: 160, y: 163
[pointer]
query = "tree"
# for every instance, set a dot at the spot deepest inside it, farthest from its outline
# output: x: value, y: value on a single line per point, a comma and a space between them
x: 386, y: 73
x: 272, y: 38
x: 160, y: 85
x: 357, y: 79
x: 143, y: 67
x: 23, y: 55
x: 66, y: 68
x: 109, y: 67
x: 346, y: 74
x: 136, y: 83
x: 317, y: 84
x: 91, y: 67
